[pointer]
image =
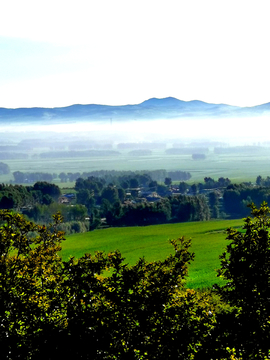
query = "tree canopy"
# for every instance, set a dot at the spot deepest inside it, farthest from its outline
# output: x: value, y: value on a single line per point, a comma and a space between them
x: 51, y: 307
x: 99, y: 307
x: 245, y: 265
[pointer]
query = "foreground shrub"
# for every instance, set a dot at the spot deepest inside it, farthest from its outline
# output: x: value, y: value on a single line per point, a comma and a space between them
x: 98, y: 307
x: 245, y: 265
x: 51, y: 308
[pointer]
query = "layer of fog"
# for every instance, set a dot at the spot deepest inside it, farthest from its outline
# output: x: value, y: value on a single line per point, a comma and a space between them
x: 234, y: 131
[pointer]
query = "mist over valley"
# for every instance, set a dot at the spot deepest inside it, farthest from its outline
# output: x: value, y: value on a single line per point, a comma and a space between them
x: 151, y: 120
x: 155, y: 134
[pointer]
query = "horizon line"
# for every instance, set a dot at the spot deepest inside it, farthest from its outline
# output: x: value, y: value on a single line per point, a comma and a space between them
x: 128, y: 104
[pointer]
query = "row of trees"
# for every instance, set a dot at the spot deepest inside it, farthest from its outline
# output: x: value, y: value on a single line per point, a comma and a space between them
x: 30, y: 177
x: 93, y: 191
x: 141, y: 178
x: 50, y: 308
x: 171, y: 209
x: 21, y: 177
x: 40, y: 201
x: 18, y: 196
x: 110, y: 176
x: 96, y: 199
x: 236, y: 198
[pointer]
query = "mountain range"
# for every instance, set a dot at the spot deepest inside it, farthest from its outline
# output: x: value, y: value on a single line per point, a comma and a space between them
x: 166, y: 108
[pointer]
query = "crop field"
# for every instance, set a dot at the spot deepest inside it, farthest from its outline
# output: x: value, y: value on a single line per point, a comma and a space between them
x: 237, y: 167
x: 151, y: 242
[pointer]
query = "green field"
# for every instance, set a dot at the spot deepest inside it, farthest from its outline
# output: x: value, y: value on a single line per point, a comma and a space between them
x: 208, y: 242
x: 237, y: 167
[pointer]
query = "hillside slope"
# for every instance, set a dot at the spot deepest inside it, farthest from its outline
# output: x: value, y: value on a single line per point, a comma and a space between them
x: 167, y: 108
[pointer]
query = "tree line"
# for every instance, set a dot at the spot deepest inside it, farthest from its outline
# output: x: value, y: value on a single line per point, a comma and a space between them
x: 110, y: 176
x: 237, y: 197
x: 40, y: 201
x: 134, y: 198
x: 122, y: 211
x: 94, y: 199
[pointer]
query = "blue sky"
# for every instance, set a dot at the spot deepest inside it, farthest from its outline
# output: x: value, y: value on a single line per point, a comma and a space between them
x: 58, y: 53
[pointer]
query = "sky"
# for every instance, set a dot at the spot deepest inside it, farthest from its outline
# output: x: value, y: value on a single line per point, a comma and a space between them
x: 58, y: 53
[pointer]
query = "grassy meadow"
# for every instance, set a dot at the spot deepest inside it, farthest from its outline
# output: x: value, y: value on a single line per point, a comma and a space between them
x: 208, y: 238
x: 208, y: 242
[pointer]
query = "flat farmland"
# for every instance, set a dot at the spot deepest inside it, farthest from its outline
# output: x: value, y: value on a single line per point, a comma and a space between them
x: 152, y: 242
x: 237, y: 167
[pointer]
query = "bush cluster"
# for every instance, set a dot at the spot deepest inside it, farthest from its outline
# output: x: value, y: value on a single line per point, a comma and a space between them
x: 98, y: 307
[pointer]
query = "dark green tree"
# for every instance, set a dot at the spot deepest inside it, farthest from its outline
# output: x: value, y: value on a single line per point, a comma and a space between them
x: 183, y: 187
x: 4, y: 168
x: 168, y: 181
x: 73, y: 176
x: 133, y: 183
x: 19, y: 177
x: 161, y: 189
x: 223, y: 182
x: 110, y: 193
x: 153, y: 185
x: 121, y: 194
x: 194, y: 189
x: 213, y: 198
x: 7, y: 202
x: 215, y: 212
x: 245, y: 266
x: 144, y: 179
x: 105, y: 207
x: 213, y: 203
x: 77, y: 212
x: 209, y: 182
x: 125, y: 184
x: 63, y: 177
x: 83, y: 196
x: 259, y: 180
x: 48, y: 189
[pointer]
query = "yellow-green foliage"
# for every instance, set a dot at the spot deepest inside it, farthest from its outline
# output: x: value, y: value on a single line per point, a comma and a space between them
x: 245, y: 266
x: 30, y: 273
x: 49, y: 307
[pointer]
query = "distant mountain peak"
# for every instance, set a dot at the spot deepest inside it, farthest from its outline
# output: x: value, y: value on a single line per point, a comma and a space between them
x: 153, y: 108
x: 168, y: 101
